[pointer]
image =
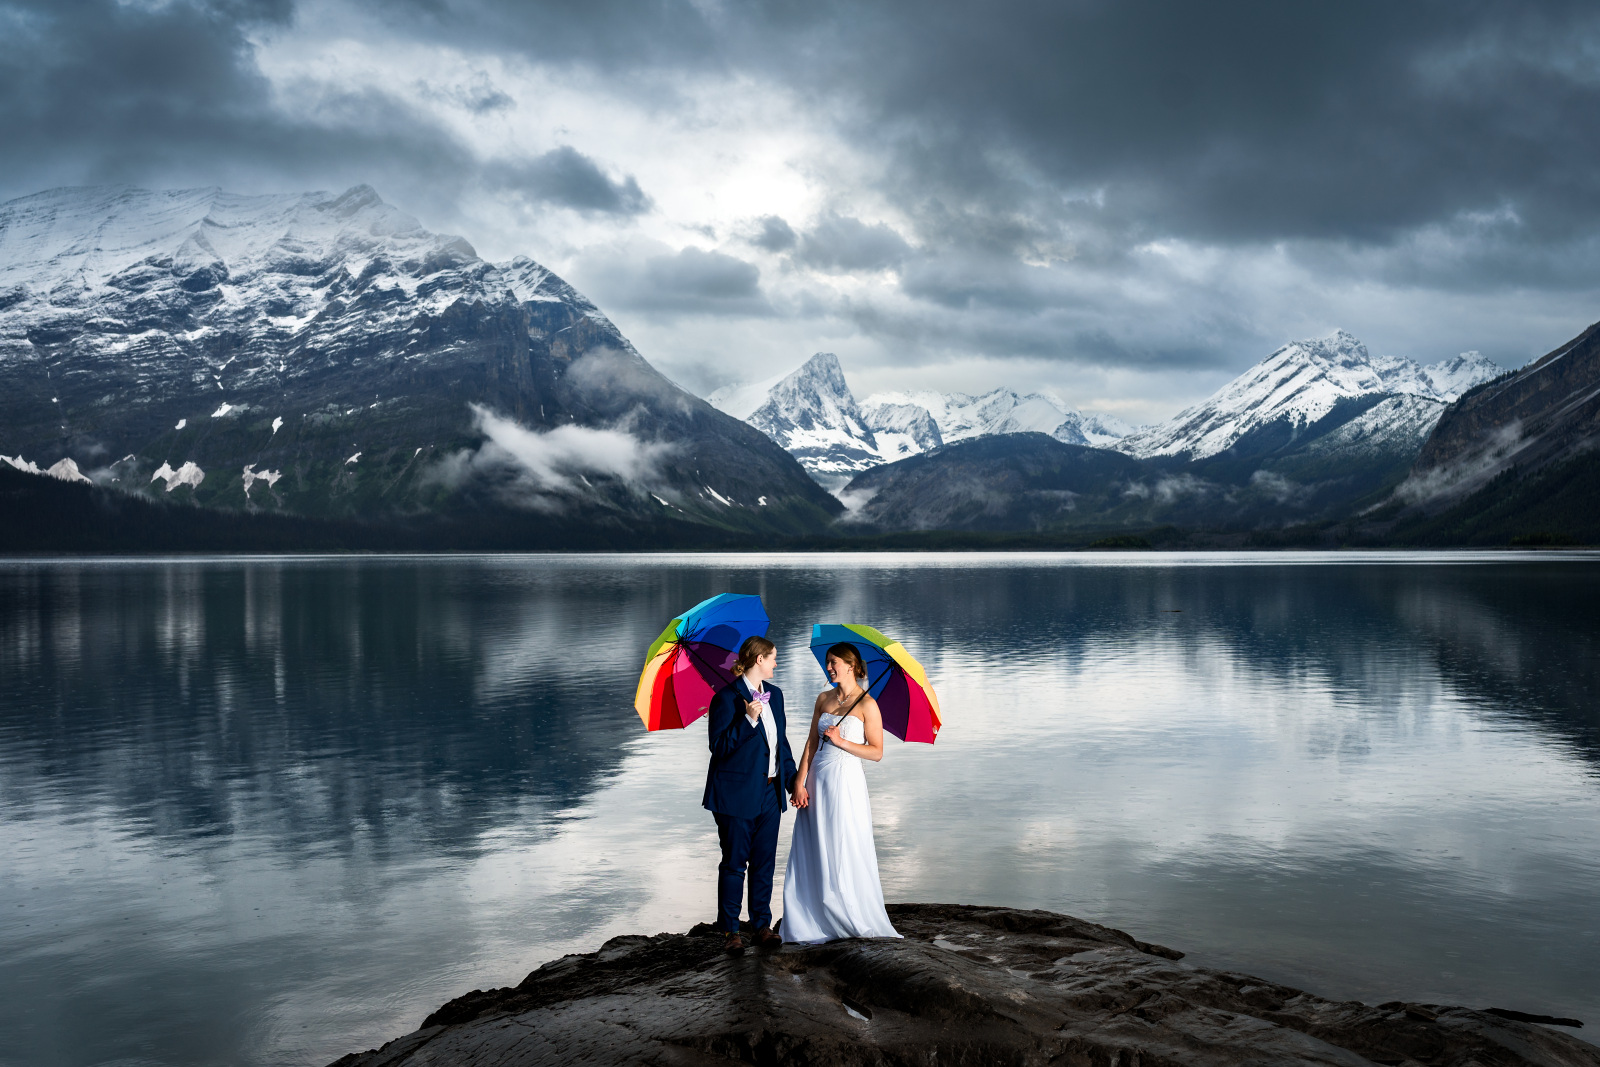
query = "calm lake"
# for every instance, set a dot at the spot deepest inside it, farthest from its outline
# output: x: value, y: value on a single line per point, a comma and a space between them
x: 270, y: 811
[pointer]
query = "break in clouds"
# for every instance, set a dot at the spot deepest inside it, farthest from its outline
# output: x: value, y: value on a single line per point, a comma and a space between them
x: 1126, y: 202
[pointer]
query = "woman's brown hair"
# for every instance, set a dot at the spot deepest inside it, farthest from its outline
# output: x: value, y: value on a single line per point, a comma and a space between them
x: 846, y: 653
x: 752, y: 649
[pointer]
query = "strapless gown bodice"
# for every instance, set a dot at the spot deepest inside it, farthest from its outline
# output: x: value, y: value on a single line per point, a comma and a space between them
x: 851, y: 729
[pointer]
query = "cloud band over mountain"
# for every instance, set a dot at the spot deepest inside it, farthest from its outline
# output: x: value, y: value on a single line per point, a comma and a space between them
x: 1125, y: 202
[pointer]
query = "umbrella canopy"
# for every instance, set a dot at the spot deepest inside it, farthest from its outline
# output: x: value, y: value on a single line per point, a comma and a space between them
x: 896, y: 681
x: 694, y: 657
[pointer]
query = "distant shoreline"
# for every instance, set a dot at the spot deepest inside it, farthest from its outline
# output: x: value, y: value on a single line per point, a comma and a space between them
x: 45, y: 516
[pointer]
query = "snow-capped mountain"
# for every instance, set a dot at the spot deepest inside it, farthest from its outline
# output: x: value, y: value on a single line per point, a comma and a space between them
x: 999, y: 411
x: 327, y: 355
x: 813, y: 415
x: 960, y: 416
x: 902, y: 430
x: 1094, y: 429
x: 1302, y: 383
x: 1452, y: 377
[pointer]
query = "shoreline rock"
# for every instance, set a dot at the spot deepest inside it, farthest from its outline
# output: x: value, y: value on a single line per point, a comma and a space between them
x: 970, y: 985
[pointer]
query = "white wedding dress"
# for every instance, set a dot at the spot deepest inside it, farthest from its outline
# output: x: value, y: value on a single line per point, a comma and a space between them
x: 830, y: 888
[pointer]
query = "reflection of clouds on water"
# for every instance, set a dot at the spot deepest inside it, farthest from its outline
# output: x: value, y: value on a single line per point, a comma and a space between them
x: 1104, y: 775
x: 548, y: 638
x: 323, y: 796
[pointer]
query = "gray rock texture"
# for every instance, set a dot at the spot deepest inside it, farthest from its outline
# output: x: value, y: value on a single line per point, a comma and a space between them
x: 1545, y: 413
x: 967, y: 985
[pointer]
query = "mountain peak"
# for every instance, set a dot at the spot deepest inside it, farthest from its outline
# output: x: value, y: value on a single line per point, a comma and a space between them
x: 823, y: 371
x: 1301, y: 382
x: 1341, y: 348
x: 87, y: 236
x: 812, y: 413
x: 1454, y: 376
x: 354, y: 199
x: 245, y: 334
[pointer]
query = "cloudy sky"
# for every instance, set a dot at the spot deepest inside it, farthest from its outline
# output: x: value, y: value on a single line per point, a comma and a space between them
x: 1124, y: 201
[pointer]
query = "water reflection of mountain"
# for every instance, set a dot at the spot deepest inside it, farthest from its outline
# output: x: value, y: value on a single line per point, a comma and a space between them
x: 1518, y: 639
x: 1523, y: 640
x: 413, y: 704
x: 417, y: 703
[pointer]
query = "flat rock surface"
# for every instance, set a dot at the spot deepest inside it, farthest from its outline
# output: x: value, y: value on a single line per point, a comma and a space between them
x: 967, y: 985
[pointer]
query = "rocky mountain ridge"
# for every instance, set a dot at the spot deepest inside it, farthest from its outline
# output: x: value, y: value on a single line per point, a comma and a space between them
x: 961, y: 416
x: 1302, y: 383
x: 1515, y: 460
x: 813, y: 414
x: 1324, y: 398
x: 325, y: 355
x: 1544, y: 413
x: 1303, y: 436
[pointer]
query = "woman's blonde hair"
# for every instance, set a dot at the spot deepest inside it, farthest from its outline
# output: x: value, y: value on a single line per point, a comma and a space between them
x: 848, y: 654
x: 752, y: 649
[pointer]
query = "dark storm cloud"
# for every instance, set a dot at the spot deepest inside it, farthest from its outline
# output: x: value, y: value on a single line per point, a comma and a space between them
x: 775, y: 235
x: 568, y: 178
x: 98, y: 91
x: 688, y: 282
x: 842, y: 243
x: 1239, y: 121
x: 1451, y: 145
x: 1016, y: 126
x: 1231, y: 121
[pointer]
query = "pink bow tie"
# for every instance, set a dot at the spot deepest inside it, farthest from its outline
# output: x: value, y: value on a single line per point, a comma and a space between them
x: 763, y: 696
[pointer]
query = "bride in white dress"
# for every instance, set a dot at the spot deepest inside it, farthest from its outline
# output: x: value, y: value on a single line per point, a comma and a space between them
x: 830, y: 887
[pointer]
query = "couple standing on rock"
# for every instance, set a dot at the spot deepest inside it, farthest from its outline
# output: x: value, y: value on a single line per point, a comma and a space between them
x: 831, y: 887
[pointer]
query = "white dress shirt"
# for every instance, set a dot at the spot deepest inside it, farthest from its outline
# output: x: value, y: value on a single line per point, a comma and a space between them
x: 766, y: 722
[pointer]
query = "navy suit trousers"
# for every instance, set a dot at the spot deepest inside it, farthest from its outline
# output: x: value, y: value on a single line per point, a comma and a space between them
x: 751, y: 843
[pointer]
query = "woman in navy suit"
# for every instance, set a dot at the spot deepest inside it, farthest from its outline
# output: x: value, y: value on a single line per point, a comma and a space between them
x: 751, y: 770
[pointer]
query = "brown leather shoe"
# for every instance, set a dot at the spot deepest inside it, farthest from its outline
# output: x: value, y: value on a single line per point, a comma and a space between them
x: 766, y: 938
x: 733, y: 945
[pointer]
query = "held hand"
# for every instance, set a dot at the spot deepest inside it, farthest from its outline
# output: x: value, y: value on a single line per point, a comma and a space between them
x: 832, y: 734
x: 800, y: 798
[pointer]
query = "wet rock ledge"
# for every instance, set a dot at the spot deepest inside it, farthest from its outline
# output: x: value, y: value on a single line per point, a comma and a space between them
x: 968, y: 985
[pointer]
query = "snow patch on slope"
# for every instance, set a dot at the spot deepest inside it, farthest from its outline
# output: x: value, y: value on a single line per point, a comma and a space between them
x: 65, y: 469
x: 252, y: 476
x: 189, y: 474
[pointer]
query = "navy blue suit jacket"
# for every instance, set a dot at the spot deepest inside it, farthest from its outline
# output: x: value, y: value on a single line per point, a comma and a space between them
x: 738, y: 771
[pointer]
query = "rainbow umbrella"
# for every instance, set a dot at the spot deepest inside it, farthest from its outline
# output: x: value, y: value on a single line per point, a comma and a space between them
x: 694, y: 657
x: 896, y: 681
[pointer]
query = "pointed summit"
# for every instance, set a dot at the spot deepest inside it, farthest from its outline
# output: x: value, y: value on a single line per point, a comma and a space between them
x: 813, y: 415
